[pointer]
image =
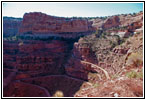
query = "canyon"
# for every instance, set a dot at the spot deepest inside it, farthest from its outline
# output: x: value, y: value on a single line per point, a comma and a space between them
x: 49, y: 56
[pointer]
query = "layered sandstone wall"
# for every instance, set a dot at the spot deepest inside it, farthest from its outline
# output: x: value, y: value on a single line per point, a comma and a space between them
x: 36, y: 57
x: 41, y: 23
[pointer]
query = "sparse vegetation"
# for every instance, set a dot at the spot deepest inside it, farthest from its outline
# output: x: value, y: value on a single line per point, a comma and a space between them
x: 138, y: 32
x: 118, y: 28
x: 134, y: 74
x: 96, y: 85
x: 114, y: 76
x: 134, y: 59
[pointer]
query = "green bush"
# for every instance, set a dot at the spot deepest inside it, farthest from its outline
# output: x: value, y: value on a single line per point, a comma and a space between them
x: 96, y: 85
x: 134, y: 74
x: 134, y: 59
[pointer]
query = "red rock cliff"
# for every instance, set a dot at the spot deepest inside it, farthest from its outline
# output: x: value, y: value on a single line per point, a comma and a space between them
x: 111, y: 22
x: 41, y: 23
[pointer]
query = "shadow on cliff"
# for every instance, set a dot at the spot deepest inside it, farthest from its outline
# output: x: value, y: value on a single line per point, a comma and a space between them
x: 57, y: 85
x: 68, y: 86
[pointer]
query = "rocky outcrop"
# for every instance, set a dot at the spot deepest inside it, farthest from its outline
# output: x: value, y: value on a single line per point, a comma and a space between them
x: 132, y: 28
x: 128, y: 19
x: 74, y: 67
x: 111, y: 22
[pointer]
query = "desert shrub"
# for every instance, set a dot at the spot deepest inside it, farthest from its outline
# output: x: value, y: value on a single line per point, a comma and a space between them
x: 96, y: 85
x: 118, y: 28
x: 98, y: 33
x: 121, y: 41
x: 113, y: 45
x: 103, y: 35
x: 93, y: 77
x: 138, y: 32
x: 114, y: 76
x: 134, y: 59
x: 103, y: 17
x: 134, y: 14
x: 134, y: 74
x: 131, y: 74
x: 140, y: 75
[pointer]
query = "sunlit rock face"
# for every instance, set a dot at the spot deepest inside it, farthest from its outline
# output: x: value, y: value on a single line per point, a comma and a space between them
x: 39, y: 24
x: 111, y: 22
x: 128, y: 19
x: 122, y: 25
